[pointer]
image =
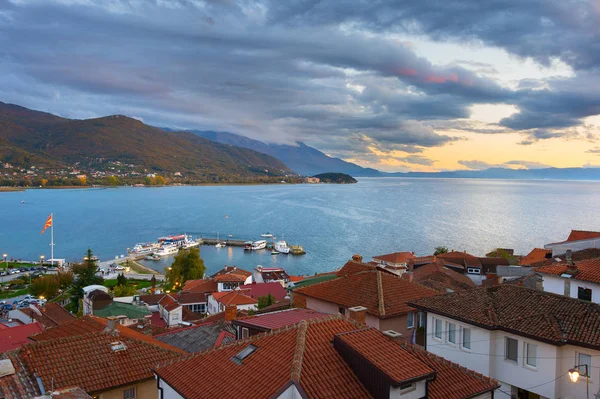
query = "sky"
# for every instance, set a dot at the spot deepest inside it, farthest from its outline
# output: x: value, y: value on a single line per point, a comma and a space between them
x: 424, y: 85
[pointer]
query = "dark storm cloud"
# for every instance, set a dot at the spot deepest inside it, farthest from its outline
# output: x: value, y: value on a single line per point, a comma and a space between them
x: 323, y: 72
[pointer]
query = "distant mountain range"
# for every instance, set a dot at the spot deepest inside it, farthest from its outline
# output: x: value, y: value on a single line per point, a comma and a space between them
x: 300, y: 158
x: 31, y: 137
x: 519, y: 174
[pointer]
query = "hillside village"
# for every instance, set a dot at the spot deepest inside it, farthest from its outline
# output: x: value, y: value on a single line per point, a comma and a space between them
x: 399, y: 325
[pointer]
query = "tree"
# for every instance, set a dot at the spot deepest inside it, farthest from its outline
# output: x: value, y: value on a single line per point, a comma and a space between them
x: 65, y: 279
x: 46, y: 286
x: 112, y: 181
x: 264, y: 301
x: 440, y: 250
x: 188, y: 265
x: 124, y: 290
x: 84, y: 275
x: 44, y: 182
x: 82, y: 180
x: 121, y: 280
x: 159, y: 180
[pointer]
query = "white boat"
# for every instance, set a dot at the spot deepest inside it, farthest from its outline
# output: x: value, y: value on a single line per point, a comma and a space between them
x: 144, y: 248
x: 152, y: 257
x: 166, y: 250
x: 189, y: 243
x: 267, y: 235
x: 261, y: 244
x: 221, y: 244
x: 282, y: 247
x: 248, y: 246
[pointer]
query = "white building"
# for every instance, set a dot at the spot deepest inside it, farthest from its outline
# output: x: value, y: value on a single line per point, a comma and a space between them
x: 579, y: 280
x: 218, y: 301
x: 526, y: 339
x: 578, y: 240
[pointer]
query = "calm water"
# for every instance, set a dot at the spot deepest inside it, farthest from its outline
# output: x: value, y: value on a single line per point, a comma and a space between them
x: 332, y: 222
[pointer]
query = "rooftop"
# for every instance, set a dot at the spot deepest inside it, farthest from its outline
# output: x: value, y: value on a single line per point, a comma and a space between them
x: 384, y: 294
x: 52, y: 314
x: 579, y: 235
x: 200, y: 286
x: 122, y: 309
x: 353, y: 267
x: 539, y: 315
x: 232, y: 269
x: 396, y: 257
x: 440, y: 278
x: 15, y: 337
x: 536, y: 256
x: 234, y: 298
x: 276, y: 320
x: 256, y: 290
x: 200, y: 337
x: 303, y: 355
x: 231, y: 277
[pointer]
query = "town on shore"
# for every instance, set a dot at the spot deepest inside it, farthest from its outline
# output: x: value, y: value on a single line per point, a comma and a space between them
x: 444, y: 325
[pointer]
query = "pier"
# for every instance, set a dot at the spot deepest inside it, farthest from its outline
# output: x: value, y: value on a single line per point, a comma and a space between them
x: 214, y: 241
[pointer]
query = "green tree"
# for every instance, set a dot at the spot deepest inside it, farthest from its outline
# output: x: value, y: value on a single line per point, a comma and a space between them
x: 188, y: 265
x: 124, y: 290
x: 112, y: 181
x: 440, y: 250
x: 84, y: 275
x: 46, y: 286
x: 121, y: 280
x: 264, y: 301
x: 65, y: 279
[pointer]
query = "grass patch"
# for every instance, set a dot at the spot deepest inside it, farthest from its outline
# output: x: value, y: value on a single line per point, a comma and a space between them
x: 16, y: 265
x: 138, y: 284
x: 12, y: 294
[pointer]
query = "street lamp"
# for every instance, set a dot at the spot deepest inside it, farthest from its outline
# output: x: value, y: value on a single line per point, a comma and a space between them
x: 42, y: 259
x: 574, y: 376
x: 5, y: 261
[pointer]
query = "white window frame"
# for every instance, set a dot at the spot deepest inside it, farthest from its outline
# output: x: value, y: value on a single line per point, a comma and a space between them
x: 438, y: 322
x: 462, y: 338
x: 245, y: 332
x: 448, y: 333
x: 125, y: 391
x: 410, y: 320
x: 473, y: 270
x: 411, y: 387
x: 582, y: 369
x: 526, y: 357
x: 506, y: 352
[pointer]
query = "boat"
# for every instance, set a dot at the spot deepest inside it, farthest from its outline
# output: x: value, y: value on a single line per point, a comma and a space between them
x: 152, y: 257
x: 144, y: 248
x: 261, y: 244
x: 221, y: 244
x: 248, y: 246
x: 166, y: 250
x: 274, y: 252
x: 189, y: 243
x: 282, y: 247
x: 297, y: 250
x: 267, y: 235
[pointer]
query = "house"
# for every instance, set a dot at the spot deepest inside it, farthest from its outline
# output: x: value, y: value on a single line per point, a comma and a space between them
x: 439, y: 277
x: 113, y: 362
x: 248, y: 326
x: 218, y: 301
x: 95, y: 297
x: 170, y: 310
x: 476, y: 268
x: 526, y: 339
x: 232, y: 269
x: 195, y: 302
x: 319, y: 358
x: 397, y: 261
x: 383, y: 293
x: 579, y: 280
x: 49, y: 315
x: 229, y: 281
x: 126, y: 314
x: 270, y: 274
x: 536, y: 257
x: 312, y: 180
x: 578, y: 240
x: 257, y: 290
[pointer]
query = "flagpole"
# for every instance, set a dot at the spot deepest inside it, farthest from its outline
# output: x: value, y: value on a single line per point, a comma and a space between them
x: 52, y: 240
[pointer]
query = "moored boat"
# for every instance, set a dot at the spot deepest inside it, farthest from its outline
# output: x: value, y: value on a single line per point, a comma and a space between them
x: 248, y: 246
x: 282, y: 247
x: 297, y: 250
x: 152, y: 257
x: 274, y: 252
x: 166, y: 250
x: 260, y: 244
x: 144, y: 248
x: 267, y: 235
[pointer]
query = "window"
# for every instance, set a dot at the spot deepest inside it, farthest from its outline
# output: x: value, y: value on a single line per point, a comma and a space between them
x: 342, y: 310
x: 129, y: 393
x: 452, y: 333
x: 585, y: 294
x: 466, y: 338
x: 582, y: 359
x: 437, y: 328
x: 421, y: 319
x: 404, y: 388
x: 244, y: 353
x: 411, y: 320
x: 531, y: 355
x: 473, y: 270
x: 245, y: 332
x: 511, y: 349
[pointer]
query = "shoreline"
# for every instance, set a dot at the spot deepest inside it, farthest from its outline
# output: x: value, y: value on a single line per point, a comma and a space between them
x: 139, y: 268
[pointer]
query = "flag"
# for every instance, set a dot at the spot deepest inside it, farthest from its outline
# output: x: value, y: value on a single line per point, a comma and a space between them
x: 48, y: 224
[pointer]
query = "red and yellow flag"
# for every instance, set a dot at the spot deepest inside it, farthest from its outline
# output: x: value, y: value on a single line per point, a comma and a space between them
x: 48, y: 224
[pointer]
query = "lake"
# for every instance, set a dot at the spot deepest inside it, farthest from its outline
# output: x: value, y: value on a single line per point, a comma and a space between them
x: 331, y: 222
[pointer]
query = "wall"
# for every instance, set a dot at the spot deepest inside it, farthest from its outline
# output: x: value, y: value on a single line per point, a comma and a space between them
x: 417, y: 393
x: 556, y: 285
x: 560, y: 249
x: 290, y: 393
x: 167, y: 391
x: 213, y: 305
x: 18, y: 315
x: 146, y: 389
x: 398, y: 324
x: 321, y: 306
x: 566, y: 389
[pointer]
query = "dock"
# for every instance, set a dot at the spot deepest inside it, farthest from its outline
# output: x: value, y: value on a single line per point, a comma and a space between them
x: 214, y: 241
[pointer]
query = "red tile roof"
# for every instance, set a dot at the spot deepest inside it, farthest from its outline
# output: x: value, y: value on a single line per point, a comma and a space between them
x: 587, y: 270
x: 52, y: 315
x: 536, y: 256
x: 276, y: 320
x: 231, y: 277
x: 15, y: 337
x: 461, y: 258
x: 303, y: 355
x: 547, y: 317
x: 200, y: 286
x: 89, y: 362
x: 185, y: 298
x: 396, y: 257
x: 295, y: 279
x: 577, y: 235
x: 384, y: 294
x: 281, y: 305
x: 256, y: 290
x: 234, y: 298
x: 151, y: 299
x: 232, y: 269
x: 353, y: 267
x: 385, y: 355
x: 440, y: 277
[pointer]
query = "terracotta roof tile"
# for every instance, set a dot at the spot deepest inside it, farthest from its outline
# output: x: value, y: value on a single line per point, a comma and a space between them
x: 15, y: 337
x: 234, y: 298
x: 151, y: 299
x: 231, y: 277
x: 384, y: 294
x: 396, y: 257
x: 232, y: 269
x: 577, y: 235
x: 544, y: 316
x: 276, y: 320
x: 536, y: 256
x: 588, y: 270
x: 256, y: 290
x: 191, y: 297
x: 353, y: 267
x: 277, y: 306
x: 19, y: 385
x: 52, y: 314
x: 201, y: 286
x: 441, y: 278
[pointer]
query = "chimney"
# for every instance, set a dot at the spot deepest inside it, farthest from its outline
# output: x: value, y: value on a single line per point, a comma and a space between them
x: 571, y: 266
x: 230, y: 312
x: 357, y: 314
x: 357, y: 258
x: 410, y: 277
x: 393, y: 335
x: 111, y: 325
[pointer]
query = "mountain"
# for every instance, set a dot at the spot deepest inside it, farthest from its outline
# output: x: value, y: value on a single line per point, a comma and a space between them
x: 512, y: 174
x: 31, y: 137
x: 336, y: 178
x: 300, y: 158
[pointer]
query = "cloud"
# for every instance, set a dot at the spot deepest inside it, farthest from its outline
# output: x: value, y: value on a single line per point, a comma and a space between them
x: 478, y: 165
x: 417, y: 160
x: 595, y: 150
x: 528, y: 164
x: 482, y: 165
